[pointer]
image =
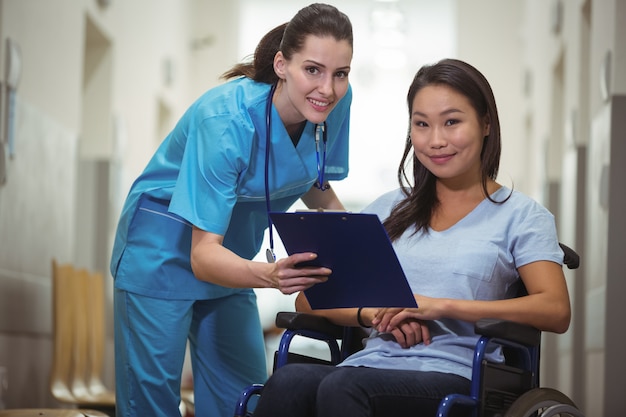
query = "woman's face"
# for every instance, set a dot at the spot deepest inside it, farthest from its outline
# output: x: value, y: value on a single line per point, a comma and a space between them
x: 447, y: 134
x: 314, y: 79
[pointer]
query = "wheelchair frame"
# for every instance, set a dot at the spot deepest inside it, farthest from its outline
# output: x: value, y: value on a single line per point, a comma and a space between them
x: 509, y: 389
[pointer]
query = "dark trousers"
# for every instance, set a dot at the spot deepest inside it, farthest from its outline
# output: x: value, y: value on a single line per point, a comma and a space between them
x: 326, y: 391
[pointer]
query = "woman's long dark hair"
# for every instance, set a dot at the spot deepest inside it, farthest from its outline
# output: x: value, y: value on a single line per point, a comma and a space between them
x: 316, y: 19
x: 421, y: 198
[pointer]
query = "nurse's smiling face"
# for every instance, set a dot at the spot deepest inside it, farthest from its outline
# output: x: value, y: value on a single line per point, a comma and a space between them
x: 313, y: 81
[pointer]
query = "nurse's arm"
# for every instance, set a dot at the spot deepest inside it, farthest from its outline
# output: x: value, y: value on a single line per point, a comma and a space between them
x: 327, y: 199
x: 212, y: 262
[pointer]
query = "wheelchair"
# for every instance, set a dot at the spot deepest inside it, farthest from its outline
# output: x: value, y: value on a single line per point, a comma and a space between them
x: 509, y: 389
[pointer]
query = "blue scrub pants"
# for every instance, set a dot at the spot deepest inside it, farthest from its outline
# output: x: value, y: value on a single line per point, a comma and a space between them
x: 226, y: 344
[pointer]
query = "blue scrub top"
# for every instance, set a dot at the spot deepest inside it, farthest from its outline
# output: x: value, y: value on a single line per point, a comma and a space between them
x: 209, y: 172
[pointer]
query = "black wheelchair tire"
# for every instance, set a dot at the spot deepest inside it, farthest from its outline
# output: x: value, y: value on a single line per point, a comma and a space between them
x: 543, y: 402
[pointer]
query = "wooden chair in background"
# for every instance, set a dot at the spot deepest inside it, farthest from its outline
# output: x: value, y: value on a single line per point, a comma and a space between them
x: 63, y: 312
x: 79, y: 339
x: 87, y: 386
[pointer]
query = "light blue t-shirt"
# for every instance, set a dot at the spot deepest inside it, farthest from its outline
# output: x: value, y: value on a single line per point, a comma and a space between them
x: 475, y: 259
x: 210, y: 172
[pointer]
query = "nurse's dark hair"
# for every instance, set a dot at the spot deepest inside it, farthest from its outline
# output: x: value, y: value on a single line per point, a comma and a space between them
x: 316, y: 19
x: 420, y: 201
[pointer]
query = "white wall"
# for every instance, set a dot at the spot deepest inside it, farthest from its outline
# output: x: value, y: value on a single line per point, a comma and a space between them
x: 576, y: 140
x: 86, y: 70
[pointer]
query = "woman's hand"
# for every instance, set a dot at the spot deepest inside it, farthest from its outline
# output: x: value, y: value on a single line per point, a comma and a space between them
x: 289, y: 278
x: 411, y: 332
x: 388, y: 318
x: 403, y: 325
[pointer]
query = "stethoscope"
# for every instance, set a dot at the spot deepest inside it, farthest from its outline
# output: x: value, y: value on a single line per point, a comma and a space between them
x: 320, y: 153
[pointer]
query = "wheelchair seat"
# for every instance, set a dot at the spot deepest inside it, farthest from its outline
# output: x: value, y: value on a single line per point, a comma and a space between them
x: 509, y: 389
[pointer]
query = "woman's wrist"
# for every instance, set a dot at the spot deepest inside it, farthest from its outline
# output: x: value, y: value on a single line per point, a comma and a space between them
x: 359, y: 318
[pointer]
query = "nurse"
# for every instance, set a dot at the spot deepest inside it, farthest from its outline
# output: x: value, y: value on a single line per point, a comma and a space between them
x: 196, y: 216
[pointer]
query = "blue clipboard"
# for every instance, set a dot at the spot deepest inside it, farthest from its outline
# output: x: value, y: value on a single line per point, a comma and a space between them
x: 366, y: 270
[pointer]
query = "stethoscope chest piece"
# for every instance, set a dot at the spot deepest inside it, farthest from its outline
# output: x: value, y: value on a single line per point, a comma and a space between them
x: 270, y: 255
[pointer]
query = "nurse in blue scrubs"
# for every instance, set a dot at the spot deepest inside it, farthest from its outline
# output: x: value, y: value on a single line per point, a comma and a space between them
x: 275, y: 132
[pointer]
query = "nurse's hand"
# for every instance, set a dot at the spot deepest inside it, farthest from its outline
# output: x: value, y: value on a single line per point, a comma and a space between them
x: 292, y: 274
x: 212, y: 262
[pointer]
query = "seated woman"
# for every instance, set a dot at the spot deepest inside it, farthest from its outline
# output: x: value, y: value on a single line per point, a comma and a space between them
x: 464, y: 241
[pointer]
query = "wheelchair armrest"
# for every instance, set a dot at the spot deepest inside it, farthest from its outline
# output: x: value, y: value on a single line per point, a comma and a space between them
x: 304, y: 321
x: 508, y: 330
x: 571, y: 259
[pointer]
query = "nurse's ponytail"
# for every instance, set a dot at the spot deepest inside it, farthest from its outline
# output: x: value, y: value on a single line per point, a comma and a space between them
x: 261, y: 68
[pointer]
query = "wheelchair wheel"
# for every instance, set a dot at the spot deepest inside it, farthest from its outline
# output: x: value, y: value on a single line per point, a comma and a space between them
x: 543, y: 402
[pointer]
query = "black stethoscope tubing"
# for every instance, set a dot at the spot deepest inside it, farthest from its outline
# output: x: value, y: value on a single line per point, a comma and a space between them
x: 271, y: 256
x: 321, y: 165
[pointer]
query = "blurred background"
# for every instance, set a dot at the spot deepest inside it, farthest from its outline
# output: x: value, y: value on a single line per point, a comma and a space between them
x: 89, y: 88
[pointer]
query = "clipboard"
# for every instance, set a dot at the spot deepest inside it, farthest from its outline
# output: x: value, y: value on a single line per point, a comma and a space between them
x: 366, y: 270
